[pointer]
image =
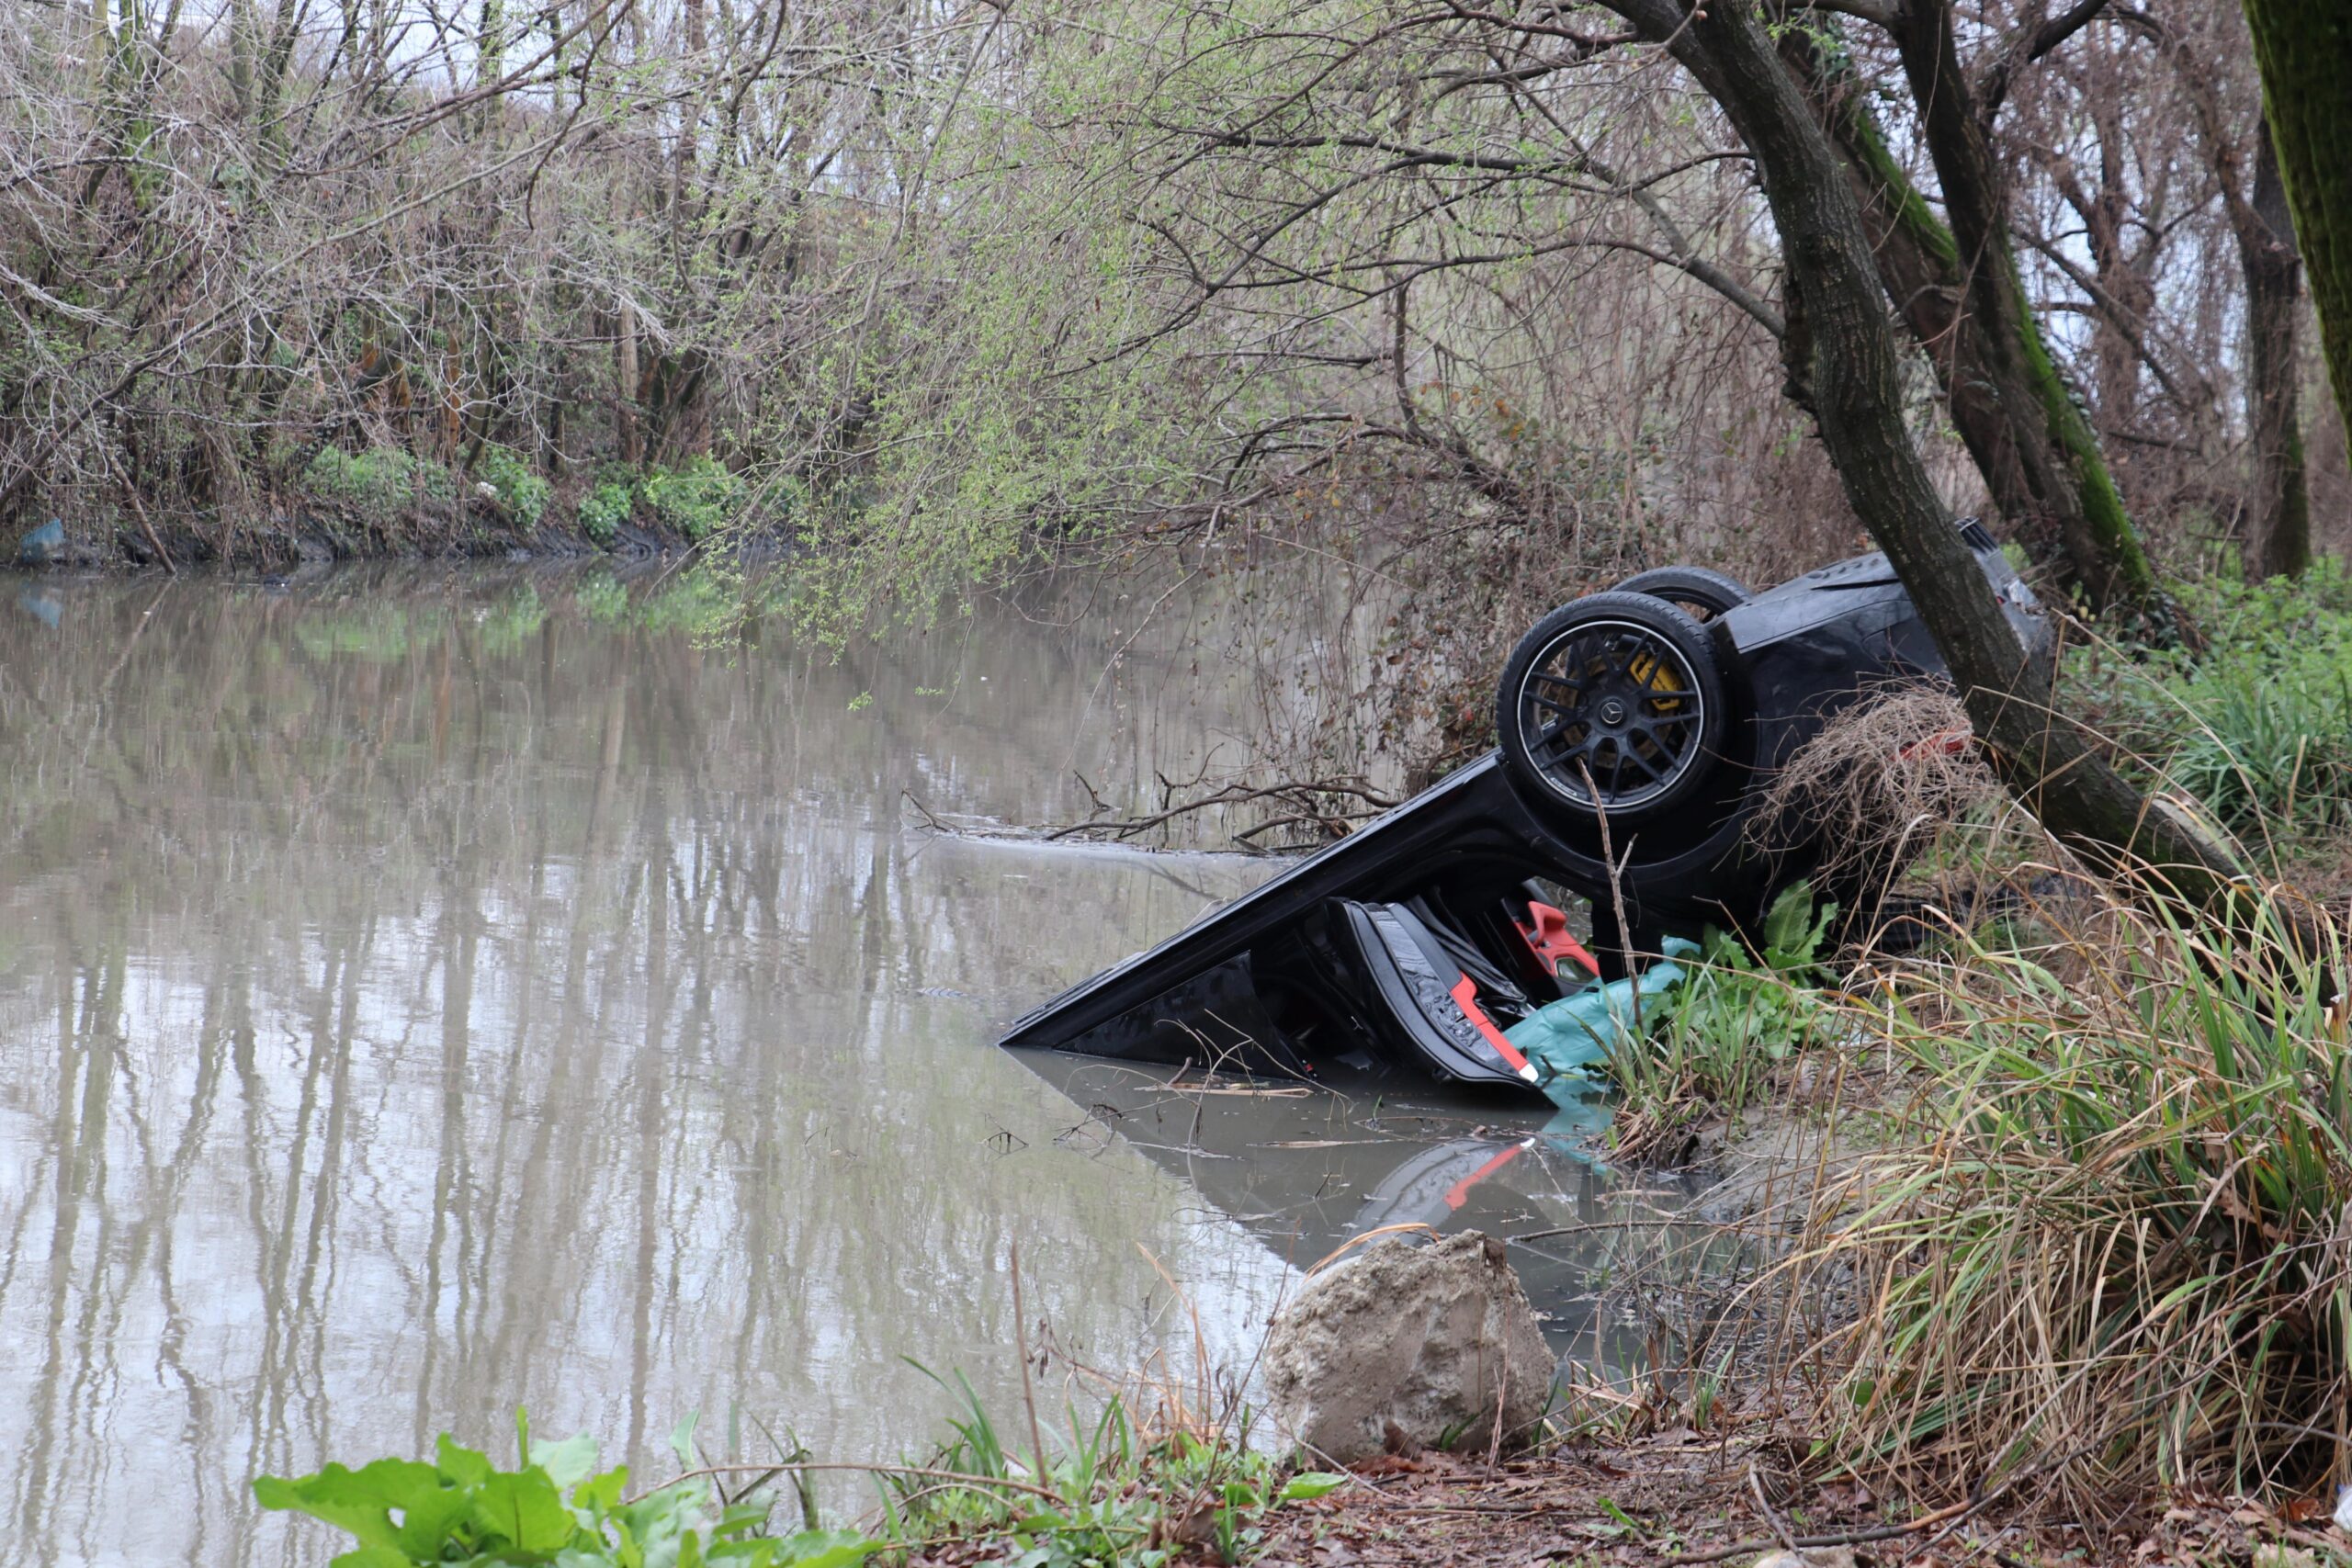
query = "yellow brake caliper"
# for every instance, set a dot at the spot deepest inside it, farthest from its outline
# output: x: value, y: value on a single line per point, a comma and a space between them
x: 1652, y: 671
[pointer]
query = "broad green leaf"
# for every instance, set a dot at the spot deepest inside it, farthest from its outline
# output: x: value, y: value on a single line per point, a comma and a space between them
x: 1792, y: 931
x: 430, y: 1521
x: 568, y: 1462
x: 665, y: 1513
x: 357, y: 1501
x: 602, y: 1493
x: 739, y: 1517
x: 525, y: 1512
x: 373, y: 1557
x: 682, y: 1440
x: 1313, y: 1484
x: 461, y: 1464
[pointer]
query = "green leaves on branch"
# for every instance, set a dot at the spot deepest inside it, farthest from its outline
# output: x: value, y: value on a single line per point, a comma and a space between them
x: 604, y: 509
x: 376, y: 484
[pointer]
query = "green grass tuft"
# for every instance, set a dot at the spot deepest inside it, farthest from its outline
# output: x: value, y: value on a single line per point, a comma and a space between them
x: 2111, y: 1254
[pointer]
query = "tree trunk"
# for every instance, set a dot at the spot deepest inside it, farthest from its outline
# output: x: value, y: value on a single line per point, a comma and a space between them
x: 689, y: 104
x: 489, y: 44
x: 2276, y: 531
x: 625, y: 377
x: 1959, y: 294
x: 2304, y: 47
x: 1851, y: 373
x: 243, y: 42
x: 269, y: 93
x: 2107, y: 217
x: 2279, y: 520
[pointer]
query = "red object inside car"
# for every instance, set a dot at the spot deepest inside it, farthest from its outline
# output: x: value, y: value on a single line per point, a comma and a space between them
x: 1546, y: 932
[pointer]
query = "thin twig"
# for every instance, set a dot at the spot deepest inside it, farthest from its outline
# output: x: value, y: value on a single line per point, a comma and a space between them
x: 146, y: 524
x: 1778, y: 1526
x: 928, y: 1473
x: 1021, y: 1344
x: 1844, y: 1538
x: 1616, y: 893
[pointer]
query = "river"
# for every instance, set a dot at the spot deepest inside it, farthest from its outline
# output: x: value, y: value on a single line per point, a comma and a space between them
x: 429, y: 994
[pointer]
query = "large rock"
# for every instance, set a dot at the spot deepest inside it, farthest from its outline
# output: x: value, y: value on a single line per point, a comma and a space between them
x: 1410, y: 1347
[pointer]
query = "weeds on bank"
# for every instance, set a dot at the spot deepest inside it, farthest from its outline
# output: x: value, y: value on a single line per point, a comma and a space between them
x: 2115, y: 1252
x: 553, y: 1507
x: 1112, y: 1494
x: 1115, y: 1493
x: 1721, y: 1037
x: 2258, y: 726
x: 2108, y: 1245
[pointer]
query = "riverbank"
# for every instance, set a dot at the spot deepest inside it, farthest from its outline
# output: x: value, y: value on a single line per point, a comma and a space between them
x: 383, y: 504
x: 1780, y: 1446
x: 1681, y: 1495
x: 317, y: 541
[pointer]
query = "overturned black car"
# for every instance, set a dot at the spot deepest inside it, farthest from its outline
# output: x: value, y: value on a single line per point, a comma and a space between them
x: 1645, y: 718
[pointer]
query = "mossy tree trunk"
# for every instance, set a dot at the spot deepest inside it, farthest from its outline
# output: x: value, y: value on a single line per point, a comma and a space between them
x: 2278, y: 513
x: 243, y: 28
x: 2304, y: 47
x: 2041, y: 462
x: 1849, y: 370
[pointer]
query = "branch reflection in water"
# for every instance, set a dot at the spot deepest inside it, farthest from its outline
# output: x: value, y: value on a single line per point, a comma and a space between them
x: 426, y: 993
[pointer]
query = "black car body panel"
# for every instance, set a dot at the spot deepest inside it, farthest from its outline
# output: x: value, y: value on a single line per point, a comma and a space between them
x: 1298, y: 971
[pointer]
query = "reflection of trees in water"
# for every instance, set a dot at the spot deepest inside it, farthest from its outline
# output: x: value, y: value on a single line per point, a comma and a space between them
x: 400, y: 1028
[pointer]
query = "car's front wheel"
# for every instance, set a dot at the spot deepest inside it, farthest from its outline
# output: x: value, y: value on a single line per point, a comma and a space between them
x: 1615, y: 704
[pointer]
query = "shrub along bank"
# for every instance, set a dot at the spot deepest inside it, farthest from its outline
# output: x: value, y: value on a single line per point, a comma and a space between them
x: 1112, y: 1492
x: 384, y: 500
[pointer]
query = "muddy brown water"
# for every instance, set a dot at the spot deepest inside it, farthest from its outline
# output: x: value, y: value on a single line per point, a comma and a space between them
x: 429, y: 994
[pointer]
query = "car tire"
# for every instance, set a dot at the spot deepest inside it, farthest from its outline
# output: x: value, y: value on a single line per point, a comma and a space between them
x: 1613, y: 705
x: 1702, y: 593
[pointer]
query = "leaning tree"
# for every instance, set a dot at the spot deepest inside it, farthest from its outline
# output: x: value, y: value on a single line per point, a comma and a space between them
x: 1954, y: 278
x: 1845, y: 369
x: 1329, y: 178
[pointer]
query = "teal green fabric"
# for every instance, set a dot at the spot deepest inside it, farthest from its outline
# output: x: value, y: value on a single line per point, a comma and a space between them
x: 1566, y: 1039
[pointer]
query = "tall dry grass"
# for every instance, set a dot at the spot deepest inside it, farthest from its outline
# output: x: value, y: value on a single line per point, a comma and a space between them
x: 2110, y: 1247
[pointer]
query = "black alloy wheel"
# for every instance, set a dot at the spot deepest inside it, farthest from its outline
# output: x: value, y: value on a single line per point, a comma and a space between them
x: 1614, y: 703
x: 1704, y: 594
